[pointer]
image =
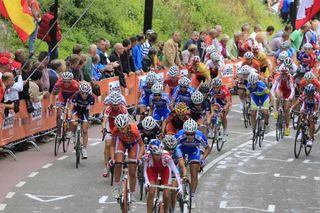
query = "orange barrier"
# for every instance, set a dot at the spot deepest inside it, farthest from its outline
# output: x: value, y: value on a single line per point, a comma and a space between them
x: 23, y: 124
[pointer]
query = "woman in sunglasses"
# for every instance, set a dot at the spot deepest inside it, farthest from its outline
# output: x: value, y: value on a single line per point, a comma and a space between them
x: 189, y: 141
x: 159, y: 103
x: 79, y: 109
x: 183, y: 92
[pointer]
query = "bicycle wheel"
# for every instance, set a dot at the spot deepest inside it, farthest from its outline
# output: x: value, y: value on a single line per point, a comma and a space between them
x: 160, y: 208
x: 214, y: 138
x: 294, y: 120
x: 261, y: 132
x: 298, y: 144
x: 188, y: 198
x: 66, y: 141
x: 278, y: 127
x: 245, y: 117
x: 219, y: 141
x: 124, y: 197
x: 256, y: 135
x: 282, y: 125
x: 141, y: 180
x: 307, y: 150
x: 57, y: 141
x: 78, y: 149
x: 112, y: 174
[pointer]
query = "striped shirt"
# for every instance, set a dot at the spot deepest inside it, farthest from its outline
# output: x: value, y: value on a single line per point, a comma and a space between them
x: 145, y: 48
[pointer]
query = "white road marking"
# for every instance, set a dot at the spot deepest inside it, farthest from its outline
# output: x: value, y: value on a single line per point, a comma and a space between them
x: 20, y: 184
x: 2, y: 206
x: 63, y: 157
x: 94, y: 139
x: 316, y: 178
x: 33, y: 174
x: 293, y: 177
x: 44, y: 198
x: 237, y: 111
x: 311, y: 162
x: 252, y: 173
x: 241, y: 133
x: 94, y: 144
x: 103, y: 199
x: 275, y: 159
x: 223, y: 205
x: 10, y: 195
x: 47, y: 166
x: 234, y: 105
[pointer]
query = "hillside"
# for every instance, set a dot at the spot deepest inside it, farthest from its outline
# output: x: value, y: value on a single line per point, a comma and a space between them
x: 117, y: 19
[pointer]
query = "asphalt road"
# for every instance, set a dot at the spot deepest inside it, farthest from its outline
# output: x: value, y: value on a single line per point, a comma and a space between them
x: 237, y: 179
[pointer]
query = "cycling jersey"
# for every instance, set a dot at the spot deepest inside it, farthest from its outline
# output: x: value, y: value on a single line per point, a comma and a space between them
x: 151, y: 134
x: 176, y: 155
x: 81, y: 106
x: 145, y: 94
x: 304, y: 83
x: 307, y: 61
x: 192, y: 149
x: 172, y: 83
x: 112, y: 113
x: 254, y: 64
x: 292, y: 69
x: 284, y: 84
x: 179, y: 96
x: 199, y: 112
x: 309, y: 104
x: 174, y: 124
x: 65, y: 93
x: 214, y: 68
x: 160, y: 107
x: 262, y: 59
x: 220, y: 97
x: 201, y: 72
x: 259, y: 95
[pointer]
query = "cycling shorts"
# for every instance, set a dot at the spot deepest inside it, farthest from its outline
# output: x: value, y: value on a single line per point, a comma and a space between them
x: 257, y: 101
x: 133, y: 149
x: 192, y: 152
x: 163, y: 113
x: 163, y: 172
x: 84, y: 116
x: 285, y: 92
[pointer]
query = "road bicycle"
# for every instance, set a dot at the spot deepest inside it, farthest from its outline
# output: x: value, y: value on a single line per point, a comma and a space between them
x: 246, y: 113
x: 185, y: 200
x: 62, y: 127
x: 302, y: 135
x: 280, y: 125
x: 78, y: 140
x: 217, y: 130
x: 258, y: 133
x: 158, y: 202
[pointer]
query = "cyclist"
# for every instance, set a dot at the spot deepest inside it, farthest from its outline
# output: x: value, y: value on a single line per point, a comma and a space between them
x: 170, y: 144
x: 112, y: 95
x: 189, y: 141
x: 215, y: 65
x: 298, y: 76
x: 158, y: 162
x: 79, y: 109
x: 261, y: 57
x: 200, y: 110
x: 251, y: 61
x: 259, y: 96
x: 175, y: 121
x: 220, y: 96
x: 242, y: 74
x: 125, y: 135
x: 205, y: 89
x: 288, y: 62
x: 114, y: 107
x: 145, y: 92
x: 149, y: 129
x: 199, y: 71
x: 172, y: 80
x: 309, y: 78
x: 309, y: 102
x: 159, y: 103
x: 307, y: 57
x: 210, y: 49
x: 183, y: 92
x: 282, y: 56
x: 283, y: 87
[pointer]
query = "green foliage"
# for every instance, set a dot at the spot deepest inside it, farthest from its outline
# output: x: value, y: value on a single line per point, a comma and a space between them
x: 118, y: 19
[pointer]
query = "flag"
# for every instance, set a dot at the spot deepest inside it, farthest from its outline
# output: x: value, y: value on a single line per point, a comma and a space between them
x: 307, y: 9
x: 18, y: 12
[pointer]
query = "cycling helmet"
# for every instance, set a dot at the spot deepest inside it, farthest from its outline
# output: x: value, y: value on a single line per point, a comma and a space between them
x: 239, y: 71
x: 184, y: 73
x: 173, y: 71
x: 288, y: 62
x: 67, y: 76
x: 184, y: 82
x: 286, y: 45
x: 190, y: 125
x: 211, y: 49
x: 148, y: 123
x: 284, y: 70
x: 204, y: 88
x: 85, y: 88
x: 157, y: 88
x: 170, y: 142
x: 159, y: 79
x: 151, y: 77
x: 307, y: 46
x: 195, y: 59
x: 309, y: 90
x: 115, y: 97
x: 215, y: 56
x: 255, y: 47
x: 253, y: 78
x: 283, y: 55
x: 301, y: 70
x: 309, y: 76
x: 245, y: 69
x: 121, y: 121
x: 155, y: 147
x: 181, y: 108
x: 216, y: 82
x: 197, y: 97
x: 248, y: 55
x: 253, y: 71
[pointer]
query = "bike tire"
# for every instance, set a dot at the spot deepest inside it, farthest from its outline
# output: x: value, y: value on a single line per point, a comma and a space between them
x: 78, y: 149
x: 282, y: 125
x: 307, y: 150
x: 160, y: 208
x: 245, y: 118
x: 278, y: 129
x: 66, y: 141
x: 124, y: 200
x: 141, y: 181
x: 294, y: 124
x: 112, y: 175
x: 188, y: 190
x: 261, y: 134
x: 57, y: 140
x: 219, y: 141
x: 213, y: 139
x: 298, y: 145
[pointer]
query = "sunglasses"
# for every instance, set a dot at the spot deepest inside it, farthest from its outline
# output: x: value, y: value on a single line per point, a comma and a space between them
x: 184, y: 87
x: 66, y: 82
x: 84, y: 93
x: 157, y: 94
x: 190, y: 134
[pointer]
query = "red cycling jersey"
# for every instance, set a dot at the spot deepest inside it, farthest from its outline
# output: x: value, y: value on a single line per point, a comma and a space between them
x: 303, y: 83
x: 65, y: 92
x: 127, y: 136
x: 172, y: 83
x: 112, y: 113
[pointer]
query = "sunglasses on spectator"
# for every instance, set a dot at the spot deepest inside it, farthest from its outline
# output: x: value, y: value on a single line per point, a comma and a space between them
x: 190, y: 134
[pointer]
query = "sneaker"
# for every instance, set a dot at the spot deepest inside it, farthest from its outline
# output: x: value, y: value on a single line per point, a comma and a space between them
x: 267, y: 128
x: 84, y: 153
x: 309, y: 143
x: 225, y: 133
x: 116, y: 193
x: 193, y: 204
x: 275, y: 115
x: 68, y: 134
x: 287, y: 131
x: 105, y: 172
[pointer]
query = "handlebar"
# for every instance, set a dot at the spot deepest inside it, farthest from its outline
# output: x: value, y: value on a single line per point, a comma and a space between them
x: 162, y: 187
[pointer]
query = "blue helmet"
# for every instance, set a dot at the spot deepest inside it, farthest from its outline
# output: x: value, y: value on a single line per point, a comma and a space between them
x: 309, y: 90
x: 155, y: 147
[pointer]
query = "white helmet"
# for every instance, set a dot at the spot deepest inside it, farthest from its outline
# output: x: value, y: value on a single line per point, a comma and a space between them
x: 67, y: 76
x: 288, y: 62
x: 159, y: 79
x: 184, y: 82
x: 121, y: 121
x: 216, y: 82
x: 253, y: 70
x: 190, y: 125
x: 173, y: 71
x: 253, y: 78
x: 249, y: 55
x: 307, y: 46
x: 239, y: 71
x: 309, y: 76
x: 283, y: 55
x: 151, y: 77
x: 215, y: 56
x: 157, y: 88
x: 85, y: 88
x: 148, y: 123
x: 115, y: 97
x: 245, y: 69
x: 211, y: 49
x: 170, y: 142
x: 197, y: 97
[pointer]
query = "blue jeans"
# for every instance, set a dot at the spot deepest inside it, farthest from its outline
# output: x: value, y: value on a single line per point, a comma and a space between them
x: 53, y: 54
x: 32, y: 39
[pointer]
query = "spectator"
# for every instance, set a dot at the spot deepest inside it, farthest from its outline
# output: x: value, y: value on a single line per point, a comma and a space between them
x: 212, y: 34
x: 103, y: 47
x: 20, y: 57
x: 74, y: 61
x: 245, y: 29
x: 151, y: 40
x: 287, y: 29
x: 193, y: 40
x: 188, y: 54
x: 45, y: 82
x: 236, y: 46
x: 270, y: 30
x: 4, y: 65
x: 115, y: 57
x: 160, y: 54
x: 56, y: 66
x: 310, y: 37
x: 34, y: 89
x: 171, y: 51
x: 276, y: 42
x: 7, y: 83
x: 284, y: 8
x: 297, y: 37
x: 96, y: 73
x: 12, y: 93
x: 36, y: 14
x: 77, y: 49
x: 137, y: 53
x: 201, y: 45
x: 223, y: 47
x: 54, y: 36
x: 93, y: 49
x: 256, y: 28
x: 148, y: 61
x: 26, y: 71
x: 126, y: 57
x: 218, y: 28
x: 262, y: 41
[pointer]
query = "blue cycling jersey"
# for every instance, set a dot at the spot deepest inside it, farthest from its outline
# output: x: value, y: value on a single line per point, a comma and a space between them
x: 160, y: 104
x: 145, y: 90
x: 179, y: 96
x: 176, y: 155
x: 199, y: 139
x: 260, y: 89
